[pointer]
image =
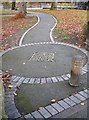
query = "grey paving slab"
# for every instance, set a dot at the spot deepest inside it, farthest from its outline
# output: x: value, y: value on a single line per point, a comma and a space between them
x: 43, y: 80
x: 13, y: 77
x: 65, y: 77
x: 16, y: 79
x: 21, y: 118
x: 9, y: 92
x: 85, y: 69
x: 51, y: 110
x: 76, y: 100
x: 29, y: 116
x: 49, y: 80
x: 68, y: 75
x: 57, y: 107
x: 80, y: 97
x: 15, y: 114
x: 9, y: 96
x: 13, y: 89
x: 21, y: 79
x: 69, y: 101
x: 37, y: 80
x: 84, y: 94
x: 9, y: 104
x: 36, y: 114
x: 60, y: 78
x: 45, y: 113
x: 54, y: 79
x: 87, y: 91
x: 83, y: 72
x: 26, y: 80
x: 32, y: 80
x: 8, y: 99
x: 63, y: 104
x: 73, y: 113
x: 10, y: 109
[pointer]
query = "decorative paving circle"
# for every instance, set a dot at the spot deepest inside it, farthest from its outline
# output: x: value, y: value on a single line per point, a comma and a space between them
x: 40, y: 60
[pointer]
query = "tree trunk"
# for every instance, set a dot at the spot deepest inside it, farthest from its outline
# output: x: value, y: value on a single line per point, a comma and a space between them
x: 53, y: 5
x: 88, y: 5
x: 82, y: 5
x: 22, y: 8
x: 21, y: 11
x: 13, y: 4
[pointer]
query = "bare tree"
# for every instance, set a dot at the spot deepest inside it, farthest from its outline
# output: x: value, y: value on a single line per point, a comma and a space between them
x: 54, y: 5
x: 13, y: 4
x: 22, y: 8
x: 21, y: 11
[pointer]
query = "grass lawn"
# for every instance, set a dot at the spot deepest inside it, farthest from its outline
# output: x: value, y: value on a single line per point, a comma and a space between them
x: 5, y: 12
x: 71, y: 25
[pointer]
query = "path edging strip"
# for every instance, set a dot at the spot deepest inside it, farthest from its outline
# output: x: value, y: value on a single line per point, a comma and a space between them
x: 21, y: 39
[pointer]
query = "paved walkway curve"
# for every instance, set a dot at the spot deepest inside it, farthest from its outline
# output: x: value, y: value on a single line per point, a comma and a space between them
x: 41, y: 35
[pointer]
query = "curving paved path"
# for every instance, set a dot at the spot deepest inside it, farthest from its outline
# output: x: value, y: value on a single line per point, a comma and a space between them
x: 40, y: 33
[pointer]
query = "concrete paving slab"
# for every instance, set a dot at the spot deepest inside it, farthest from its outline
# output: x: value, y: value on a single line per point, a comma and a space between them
x: 32, y: 80
x: 49, y: 80
x: 45, y: 113
x: 37, y: 80
x: 16, y: 79
x: 63, y: 104
x: 54, y: 79
x: 43, y: 80
x: 84, y: 94
x: 26, y: 80
x: 51, y: 110
x: 65, y: 77
x: 29, y: 116
x: 80, y: 97
x: 57, y: 107
x: 87, y: 91
x: 37, y: 115
x: 69, y: 101
x: 60, y: 78
x: 76, y: 100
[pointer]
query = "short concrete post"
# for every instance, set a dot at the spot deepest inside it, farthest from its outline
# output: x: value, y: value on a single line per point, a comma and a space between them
x: 76, y: 68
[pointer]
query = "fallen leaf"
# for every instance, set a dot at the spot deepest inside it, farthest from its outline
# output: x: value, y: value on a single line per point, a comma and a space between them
x: 53, y: 100
x: 10, y: 86
x: 82, y: 103
x: 40, y: 108
x: 15, y: 94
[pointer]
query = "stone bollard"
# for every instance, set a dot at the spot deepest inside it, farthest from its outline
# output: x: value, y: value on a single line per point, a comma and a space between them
x: 76, y: 69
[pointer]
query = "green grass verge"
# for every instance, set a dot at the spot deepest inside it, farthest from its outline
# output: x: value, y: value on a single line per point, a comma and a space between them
x: 24, y: 103
x: 6, y: 12
x: 30, y: 97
